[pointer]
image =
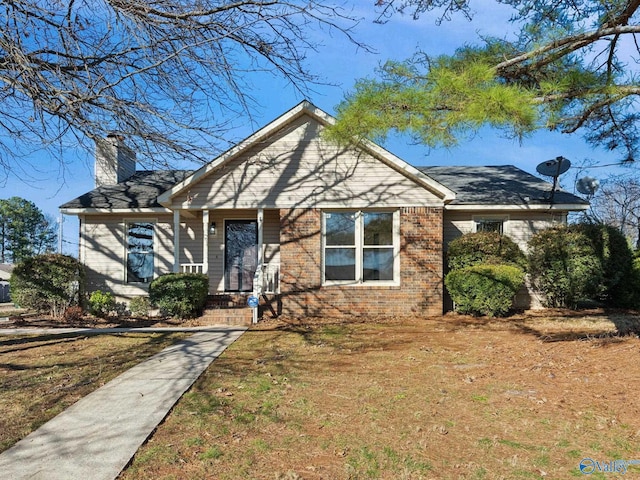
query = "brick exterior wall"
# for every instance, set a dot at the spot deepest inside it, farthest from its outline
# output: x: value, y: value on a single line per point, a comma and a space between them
x: 421, y: 282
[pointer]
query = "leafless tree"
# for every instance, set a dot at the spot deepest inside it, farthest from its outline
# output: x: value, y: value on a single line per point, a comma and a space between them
x: 617, y: 203
x: 169, y: 75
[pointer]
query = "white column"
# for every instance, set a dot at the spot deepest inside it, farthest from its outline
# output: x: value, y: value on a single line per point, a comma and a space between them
x: 260, y: 236
x: 258, y: 289
x: 205, y: 242
x: 176, y: 241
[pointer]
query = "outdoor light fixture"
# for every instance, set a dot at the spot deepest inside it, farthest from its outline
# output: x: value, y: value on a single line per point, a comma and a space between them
x: 212, y: 228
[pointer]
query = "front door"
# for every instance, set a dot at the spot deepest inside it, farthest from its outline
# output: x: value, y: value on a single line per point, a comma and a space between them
x: 240, y: 254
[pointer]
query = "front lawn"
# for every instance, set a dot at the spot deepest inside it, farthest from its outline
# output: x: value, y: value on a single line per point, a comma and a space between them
x: 41, y: 375
x: 451, y: 397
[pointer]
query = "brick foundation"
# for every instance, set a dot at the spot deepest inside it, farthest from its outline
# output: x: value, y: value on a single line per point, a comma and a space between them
x: 421, y: 283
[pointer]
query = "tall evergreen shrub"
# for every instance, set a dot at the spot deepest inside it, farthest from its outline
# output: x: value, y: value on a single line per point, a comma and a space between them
x: 484, y: 248
x: 564, y: 266
x: 48, y: 283
x: 619, y: 288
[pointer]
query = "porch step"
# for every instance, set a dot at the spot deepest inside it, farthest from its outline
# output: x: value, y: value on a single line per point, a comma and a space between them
x: 227, y: 309
x: 228, y: 316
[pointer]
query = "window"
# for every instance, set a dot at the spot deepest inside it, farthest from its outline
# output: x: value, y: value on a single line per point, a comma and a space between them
x: 360, y: 246
x: 490, y: 224
x: 140, y: 266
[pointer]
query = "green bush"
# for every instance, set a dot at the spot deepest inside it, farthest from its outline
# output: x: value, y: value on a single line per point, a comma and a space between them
x: 619, y: 288
x: 140, y: 306
x: 47, y: 283
x: 181, y: 295
x: 564, y: 267
x: 484, y: 248
x: 101, y: 304
x: 484, y: 289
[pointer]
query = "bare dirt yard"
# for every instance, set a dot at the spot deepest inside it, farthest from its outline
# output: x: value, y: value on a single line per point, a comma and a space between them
x: 540, y: 395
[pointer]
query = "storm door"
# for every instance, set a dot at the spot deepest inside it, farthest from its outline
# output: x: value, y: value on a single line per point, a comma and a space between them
x: 240, y: 254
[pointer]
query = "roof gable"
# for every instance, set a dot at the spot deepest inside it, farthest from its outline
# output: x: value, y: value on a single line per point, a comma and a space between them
x: 288, y: 120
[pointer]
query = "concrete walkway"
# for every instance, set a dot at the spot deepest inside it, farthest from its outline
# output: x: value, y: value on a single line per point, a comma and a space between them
x: 96, y: 437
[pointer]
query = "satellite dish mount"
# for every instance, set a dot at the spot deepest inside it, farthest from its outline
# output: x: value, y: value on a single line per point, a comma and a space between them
x: 554, y: 168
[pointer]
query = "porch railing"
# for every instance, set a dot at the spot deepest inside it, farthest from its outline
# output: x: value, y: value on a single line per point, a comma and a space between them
x: 191, y: 268
x: 266, y: 279
x: 271, y: 278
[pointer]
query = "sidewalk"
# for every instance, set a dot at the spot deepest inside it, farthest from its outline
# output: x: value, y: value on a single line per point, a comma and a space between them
x: 96, y: 437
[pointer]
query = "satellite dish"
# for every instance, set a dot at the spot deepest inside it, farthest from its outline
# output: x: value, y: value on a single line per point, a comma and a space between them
x: 554, y: 168
x: 587, y: 185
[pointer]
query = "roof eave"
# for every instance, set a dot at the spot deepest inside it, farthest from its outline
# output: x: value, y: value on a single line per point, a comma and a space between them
x: 519, y: 207
x: 97, y: 211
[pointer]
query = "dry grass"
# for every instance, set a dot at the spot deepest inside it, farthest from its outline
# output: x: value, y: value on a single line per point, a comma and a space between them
x: 41, y: 375
x: 446, y: 398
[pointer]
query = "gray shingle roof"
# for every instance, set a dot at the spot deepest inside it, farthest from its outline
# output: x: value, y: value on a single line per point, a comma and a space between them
x: 139, y: 191
x: 494, y: 185
x: 497, y: 185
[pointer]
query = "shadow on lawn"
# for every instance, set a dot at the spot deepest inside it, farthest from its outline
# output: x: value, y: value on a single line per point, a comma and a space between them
x: 554, y: 325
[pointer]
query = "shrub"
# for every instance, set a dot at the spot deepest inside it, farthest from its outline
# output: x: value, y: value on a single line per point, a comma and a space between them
x: 140, y: 306
x: 101, y: 304
x: 616, y: 258
x: 181, y: 295
x: 485, y: 248
x: 564, y: 267
x: 47, y: 283
x: 484, y: 289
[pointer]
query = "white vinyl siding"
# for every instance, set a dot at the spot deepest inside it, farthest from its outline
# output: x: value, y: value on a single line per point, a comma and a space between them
x: 103, y: 248
x: 297, y: 168
x: 519, y: 226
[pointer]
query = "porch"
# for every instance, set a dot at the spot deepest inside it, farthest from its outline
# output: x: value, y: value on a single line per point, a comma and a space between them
x: 237, y: 249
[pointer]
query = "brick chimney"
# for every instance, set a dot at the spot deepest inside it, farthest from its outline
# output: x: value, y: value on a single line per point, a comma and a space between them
x: 114, y: 161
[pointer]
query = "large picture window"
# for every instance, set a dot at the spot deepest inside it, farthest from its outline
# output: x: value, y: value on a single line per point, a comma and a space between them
x: 140, y: 264
x: 360, y: 246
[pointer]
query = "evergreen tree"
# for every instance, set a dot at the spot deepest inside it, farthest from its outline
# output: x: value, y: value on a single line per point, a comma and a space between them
x: 24, y: 230
x: 569, y: 68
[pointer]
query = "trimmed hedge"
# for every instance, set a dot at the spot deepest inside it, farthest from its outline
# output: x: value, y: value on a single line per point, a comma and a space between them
x: 485, y: 248
x: 48, y: 283
x: 182, y: 295
x: 484, y: 289
x: 565, y: 267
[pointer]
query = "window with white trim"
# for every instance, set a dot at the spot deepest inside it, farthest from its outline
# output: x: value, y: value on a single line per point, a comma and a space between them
x: 490, y: 224
x: 140, y: 261
x: 360, y: 246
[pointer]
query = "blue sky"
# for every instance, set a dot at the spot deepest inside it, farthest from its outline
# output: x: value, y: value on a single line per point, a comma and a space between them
x: 339, y: 64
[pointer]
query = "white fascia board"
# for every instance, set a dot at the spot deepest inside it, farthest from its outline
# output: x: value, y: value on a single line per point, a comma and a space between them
x: 537, y: 207
x: 98, y: 211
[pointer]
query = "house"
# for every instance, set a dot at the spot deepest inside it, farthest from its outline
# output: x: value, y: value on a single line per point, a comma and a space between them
x: 285, y: 214
x: 5, y: 271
